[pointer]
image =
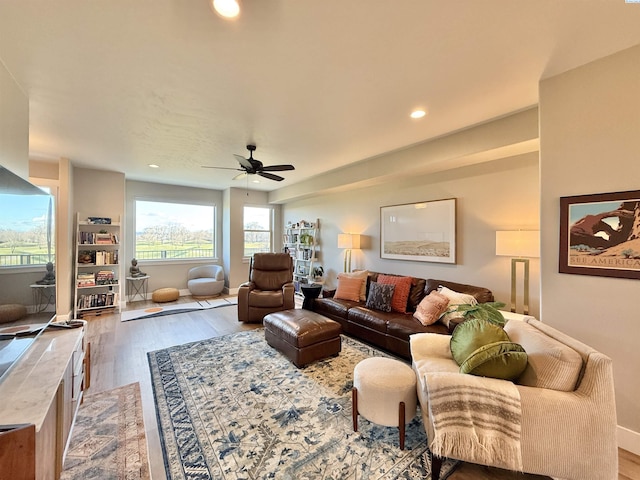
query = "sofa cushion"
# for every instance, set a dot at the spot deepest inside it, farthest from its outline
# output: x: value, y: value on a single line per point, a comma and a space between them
x: 370, y: 319
x: 333, y: 307
x: 431, y: 307
x: 380, y: 296
x: 400, y: 293
x: 361, y: 274
x: 473, y: 334
x: 483, y: 295
x: 504, y: 360
x: 416, y: 294
x: 348, y: 288
x: 402, y: 326
x: 552, y: 364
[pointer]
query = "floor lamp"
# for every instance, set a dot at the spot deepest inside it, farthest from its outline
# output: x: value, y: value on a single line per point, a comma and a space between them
x: 520, y: 245
x: 348, y: 241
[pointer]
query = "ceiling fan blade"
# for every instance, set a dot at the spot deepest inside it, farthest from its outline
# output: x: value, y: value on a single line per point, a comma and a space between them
x: 278, y: 168
x: 271, y: 176
x: 239, y: 176
x: 219, y: 168
x: 243, y: 161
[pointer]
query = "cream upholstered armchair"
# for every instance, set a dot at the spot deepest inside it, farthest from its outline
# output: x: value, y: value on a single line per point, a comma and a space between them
x: 269, y: 289
x: 563, y: 414
x: 205, y: 281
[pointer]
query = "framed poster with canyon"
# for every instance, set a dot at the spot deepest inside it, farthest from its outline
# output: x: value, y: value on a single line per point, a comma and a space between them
x: 600, y: 234
x: 422, y: 231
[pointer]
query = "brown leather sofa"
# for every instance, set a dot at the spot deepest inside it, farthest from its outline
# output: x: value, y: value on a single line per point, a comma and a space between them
x: 270, y: 288
x: 391, y: 331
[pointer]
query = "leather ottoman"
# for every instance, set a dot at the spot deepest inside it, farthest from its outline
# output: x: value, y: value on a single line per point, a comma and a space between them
x: 302, y: 336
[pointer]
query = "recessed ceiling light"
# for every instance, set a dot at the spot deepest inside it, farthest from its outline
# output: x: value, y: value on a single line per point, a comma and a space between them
x: 153, y: 165
x: 255, y: 181
x: 226, y: 8
x: 418, y: 113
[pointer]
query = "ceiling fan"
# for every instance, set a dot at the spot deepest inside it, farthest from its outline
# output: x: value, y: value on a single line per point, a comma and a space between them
x: 251, y: 166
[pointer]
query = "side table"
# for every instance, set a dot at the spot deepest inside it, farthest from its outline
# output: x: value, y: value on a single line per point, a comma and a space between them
x: 310, y: 292
x: 137, y: 286
x: 43, y: 296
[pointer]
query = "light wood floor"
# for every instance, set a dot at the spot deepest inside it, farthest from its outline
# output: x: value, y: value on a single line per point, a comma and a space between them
x: 119, y: 357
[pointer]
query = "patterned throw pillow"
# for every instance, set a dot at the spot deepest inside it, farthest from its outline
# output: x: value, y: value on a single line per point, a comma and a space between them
x: 401, y: 293
x: 431, y: 308
x: 380, y: 297
x: 348, y: 289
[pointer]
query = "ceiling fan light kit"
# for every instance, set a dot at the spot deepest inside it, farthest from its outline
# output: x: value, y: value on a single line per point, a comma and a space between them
x: 226, y: 8
x: 251, y: 166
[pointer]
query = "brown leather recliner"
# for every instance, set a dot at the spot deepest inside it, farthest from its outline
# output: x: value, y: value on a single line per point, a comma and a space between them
x: 269, y: 289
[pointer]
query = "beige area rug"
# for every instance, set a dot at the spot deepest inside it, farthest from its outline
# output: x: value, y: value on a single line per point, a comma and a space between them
x: 108, y: 439
x: 173, y: 308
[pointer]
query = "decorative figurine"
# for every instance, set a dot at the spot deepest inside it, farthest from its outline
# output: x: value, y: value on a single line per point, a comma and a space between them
x: 49, y: 278
x: 134, y: 270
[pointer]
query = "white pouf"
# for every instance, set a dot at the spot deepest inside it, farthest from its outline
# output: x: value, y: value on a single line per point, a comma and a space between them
x: 383, y: 390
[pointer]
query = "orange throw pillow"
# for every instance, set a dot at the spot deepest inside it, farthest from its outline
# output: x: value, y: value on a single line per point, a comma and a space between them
x: 401, y: 292
x: 348, y: 289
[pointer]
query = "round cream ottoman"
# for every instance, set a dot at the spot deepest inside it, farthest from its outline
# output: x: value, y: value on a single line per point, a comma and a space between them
x: 384, y: 392
x: 162, y: 295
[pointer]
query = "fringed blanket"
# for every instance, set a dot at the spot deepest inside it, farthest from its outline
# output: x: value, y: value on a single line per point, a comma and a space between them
x: 475, y: 419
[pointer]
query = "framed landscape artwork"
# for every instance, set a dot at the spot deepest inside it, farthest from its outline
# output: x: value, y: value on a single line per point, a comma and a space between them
x: 600, y: 234
x: 422, y: 231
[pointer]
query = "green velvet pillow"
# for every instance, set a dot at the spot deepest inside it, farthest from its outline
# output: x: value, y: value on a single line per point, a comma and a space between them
x: 473, y: 334
x: 505, y: 360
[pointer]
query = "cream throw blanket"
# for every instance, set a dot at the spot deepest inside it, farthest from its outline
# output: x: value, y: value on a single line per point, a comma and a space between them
x: 475, y: 419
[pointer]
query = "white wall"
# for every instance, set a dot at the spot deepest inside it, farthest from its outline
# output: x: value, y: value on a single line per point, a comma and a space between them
x: 491, y: 196
x: 236, y: 266
x: 14, y: 125
x: 14, y: 156
x: 590, y: 143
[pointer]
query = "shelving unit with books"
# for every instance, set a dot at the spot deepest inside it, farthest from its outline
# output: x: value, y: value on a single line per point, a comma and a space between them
x: 98, y: 269
x: 300, y: 240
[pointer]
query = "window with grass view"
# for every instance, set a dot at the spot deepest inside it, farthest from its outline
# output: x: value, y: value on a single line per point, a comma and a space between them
x: 174, y: 231
x: 257, y: 230
x: 27, y: 229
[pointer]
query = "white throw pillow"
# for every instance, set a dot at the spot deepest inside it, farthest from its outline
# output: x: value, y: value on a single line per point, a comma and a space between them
x: 455, y: 299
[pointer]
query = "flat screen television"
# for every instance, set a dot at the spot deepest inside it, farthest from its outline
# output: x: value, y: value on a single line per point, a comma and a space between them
x: 24, y: 277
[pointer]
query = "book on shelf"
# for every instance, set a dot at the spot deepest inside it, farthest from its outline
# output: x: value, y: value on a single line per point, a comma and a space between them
x: 96, y: 300
x: 86, y: 280
x: 105, y: 277
x: 93, y: 238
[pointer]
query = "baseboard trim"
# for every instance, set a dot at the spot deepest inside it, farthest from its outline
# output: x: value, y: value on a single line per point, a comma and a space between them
x: 629, y: 440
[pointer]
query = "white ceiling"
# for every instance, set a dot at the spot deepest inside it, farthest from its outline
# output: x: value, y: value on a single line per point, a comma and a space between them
x: 119, y: 84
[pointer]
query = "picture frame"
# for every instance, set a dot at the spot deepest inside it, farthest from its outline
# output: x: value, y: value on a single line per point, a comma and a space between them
x: 420, y: 231
x: 596, y: 234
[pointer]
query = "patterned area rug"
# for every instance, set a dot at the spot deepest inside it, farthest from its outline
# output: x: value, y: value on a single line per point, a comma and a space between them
x: 108, y: 440
x: 234, y: 408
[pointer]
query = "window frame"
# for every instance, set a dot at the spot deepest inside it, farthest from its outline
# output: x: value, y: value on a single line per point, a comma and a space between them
x: 173, y: 261
x: 52, y: 186
x: 271, y: 228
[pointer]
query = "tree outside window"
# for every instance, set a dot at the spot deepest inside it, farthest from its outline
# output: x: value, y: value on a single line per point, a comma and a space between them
x: 258, y: 230
x: 174, y: 231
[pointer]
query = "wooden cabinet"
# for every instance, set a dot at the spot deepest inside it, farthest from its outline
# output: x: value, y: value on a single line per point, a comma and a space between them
x: 44, y: 389
x: 97, y: 265
x: 301, y: 241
